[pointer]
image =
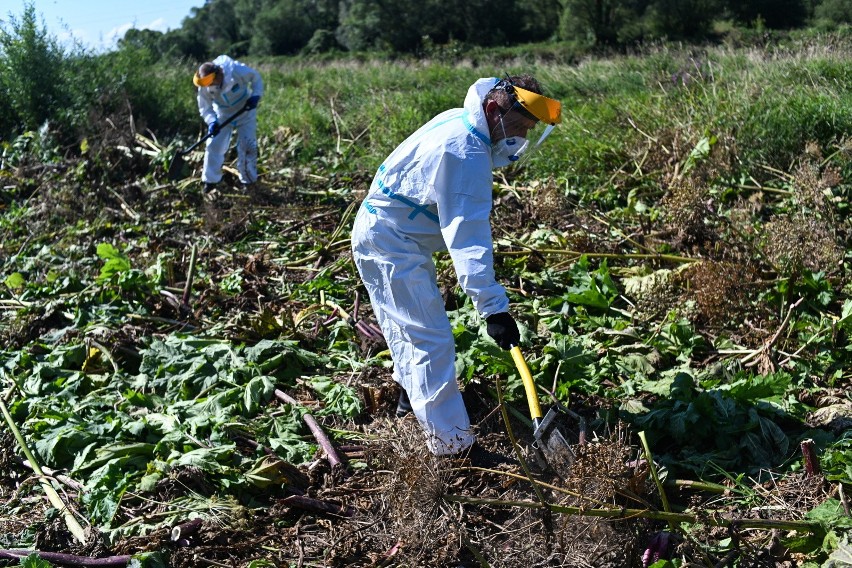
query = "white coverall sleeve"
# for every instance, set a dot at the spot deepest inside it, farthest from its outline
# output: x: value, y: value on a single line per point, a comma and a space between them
x: 205, y: 106
x: 464, y: 207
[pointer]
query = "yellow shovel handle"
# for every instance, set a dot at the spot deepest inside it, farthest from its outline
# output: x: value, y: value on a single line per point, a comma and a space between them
x: 529, y: 385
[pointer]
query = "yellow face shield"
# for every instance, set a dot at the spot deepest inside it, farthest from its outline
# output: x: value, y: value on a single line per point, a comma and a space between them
x: 205, y: 81
x: 545, y: 109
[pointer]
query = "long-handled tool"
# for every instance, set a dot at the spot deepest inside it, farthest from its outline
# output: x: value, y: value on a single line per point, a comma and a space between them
x: 176, y: 166
x: 551, y: 439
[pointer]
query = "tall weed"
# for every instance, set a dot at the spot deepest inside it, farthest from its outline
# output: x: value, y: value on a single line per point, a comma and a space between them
x: 33, y: 82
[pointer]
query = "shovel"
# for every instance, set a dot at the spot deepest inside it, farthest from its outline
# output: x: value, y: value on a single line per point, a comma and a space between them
x: 551, y: 438
x: 176, y: 166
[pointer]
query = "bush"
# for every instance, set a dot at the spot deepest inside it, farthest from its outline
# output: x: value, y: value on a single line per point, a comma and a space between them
x: 33, y: 79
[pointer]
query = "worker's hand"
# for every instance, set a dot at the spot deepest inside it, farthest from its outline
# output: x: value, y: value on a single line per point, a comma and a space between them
x: 252, y: 102
x: 503, y: 329
x: 213, y: 128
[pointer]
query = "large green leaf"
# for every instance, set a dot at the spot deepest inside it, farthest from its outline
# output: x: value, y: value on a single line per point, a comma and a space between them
x: 257, y: 391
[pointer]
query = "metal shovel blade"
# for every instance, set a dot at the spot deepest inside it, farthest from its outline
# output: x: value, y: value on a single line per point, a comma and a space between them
x: 552, y: 442
x: 550, y: 437
x: 177, y: 168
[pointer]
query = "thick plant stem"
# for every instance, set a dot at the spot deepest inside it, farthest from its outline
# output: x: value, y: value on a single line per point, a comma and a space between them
x: 697, y: 485
x: 812, y: 466
x: 66, y: 559
x: 712, y: 518
x: 650, y: 459
x: 333, y: 458
x: 190, y: 275
x: 515, y: 446
x: 623, y: 256
x: 54, y: 498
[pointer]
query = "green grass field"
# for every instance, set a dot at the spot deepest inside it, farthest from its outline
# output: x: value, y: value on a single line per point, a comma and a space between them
x: 676, y: 254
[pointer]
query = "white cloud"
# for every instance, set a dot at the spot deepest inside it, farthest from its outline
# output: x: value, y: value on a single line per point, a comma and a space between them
x: 116, y: 33
x: 160, y: 25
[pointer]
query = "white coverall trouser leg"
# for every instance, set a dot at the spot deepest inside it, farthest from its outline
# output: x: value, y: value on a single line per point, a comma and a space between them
x: 399, y: 275
x: 214, y: 156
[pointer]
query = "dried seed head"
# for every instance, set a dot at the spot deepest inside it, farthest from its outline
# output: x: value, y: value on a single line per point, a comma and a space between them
x: 802, y: 241
x: 686, y: 206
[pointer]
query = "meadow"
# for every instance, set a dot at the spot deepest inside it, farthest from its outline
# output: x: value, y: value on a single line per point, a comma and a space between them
x: 676, y: 254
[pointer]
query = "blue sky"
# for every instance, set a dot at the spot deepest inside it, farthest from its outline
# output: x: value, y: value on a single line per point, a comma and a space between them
x: 98, y: 23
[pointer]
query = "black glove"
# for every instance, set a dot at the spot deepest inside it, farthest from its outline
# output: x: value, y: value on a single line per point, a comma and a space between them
x: 503, y: 329
x: 213, y: 128
x: 252, y: 102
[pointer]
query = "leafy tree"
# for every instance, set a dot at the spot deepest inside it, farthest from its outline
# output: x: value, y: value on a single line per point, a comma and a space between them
x: 831, y: 13
x: 245, y: 11
x: 186, y: 41
x: 286, y: 26
x: 681, y: 19
x: 596, y: 22
x: 360, y: 25
x: 486, y: 22
x: 774, y: 14
x: 33, y: 82
x: 322, y: 41
x: 209, y: 31
x: 217, y: 23
x: 540, y: 21
x: 150, y: 40
x: 405, y: 25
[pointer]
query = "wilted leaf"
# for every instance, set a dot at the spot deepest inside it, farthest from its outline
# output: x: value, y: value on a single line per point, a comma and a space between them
x: 830, y: 513
x: 338, y: 399
x: 840, y: 558
x: 258, y: 390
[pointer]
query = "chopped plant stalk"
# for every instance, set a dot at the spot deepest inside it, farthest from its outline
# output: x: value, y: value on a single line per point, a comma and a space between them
x: 387, y: 557
x: 186, y: 529
x: 764, y: 350
x: 711, y: 518
x: 698, y: 485
x: 810, y: 458
x: 66, y: 559
x: 619, y: 256
x: 515, y: 447
x: 190, y: 275
x: 653, y: 468
x: 658, y: 548
x: 72, y: 483
x: 369, y: 329
x: 127, y: 208
x: 54, y: 498
x: 333, y: 459
x: 318, y: 505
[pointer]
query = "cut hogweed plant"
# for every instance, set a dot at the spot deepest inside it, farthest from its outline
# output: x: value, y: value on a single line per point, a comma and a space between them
x: 742, y: 423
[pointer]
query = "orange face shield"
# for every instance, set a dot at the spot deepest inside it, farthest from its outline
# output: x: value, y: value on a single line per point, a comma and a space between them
x: 545, y: 109
x: 205, y: 81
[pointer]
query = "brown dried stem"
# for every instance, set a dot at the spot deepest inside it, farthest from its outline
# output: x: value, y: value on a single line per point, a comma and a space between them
x: 333, y: 459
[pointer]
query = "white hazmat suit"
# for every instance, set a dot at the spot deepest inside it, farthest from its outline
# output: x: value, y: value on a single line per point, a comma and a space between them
x: 217, y: 104
x: 432, y: 193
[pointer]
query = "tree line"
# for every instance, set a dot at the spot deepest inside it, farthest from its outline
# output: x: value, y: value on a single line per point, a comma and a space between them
x: 287, y: 27
x: 259, y: 28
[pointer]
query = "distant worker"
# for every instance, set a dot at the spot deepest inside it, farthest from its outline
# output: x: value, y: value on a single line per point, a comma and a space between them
x: 227, y: 87
x: 434, y: 193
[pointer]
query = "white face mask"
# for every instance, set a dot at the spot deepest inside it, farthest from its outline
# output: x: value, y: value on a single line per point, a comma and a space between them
x: 508, y: 150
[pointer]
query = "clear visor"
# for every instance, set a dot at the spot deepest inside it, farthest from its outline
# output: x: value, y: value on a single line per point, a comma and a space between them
x: 535, y: 135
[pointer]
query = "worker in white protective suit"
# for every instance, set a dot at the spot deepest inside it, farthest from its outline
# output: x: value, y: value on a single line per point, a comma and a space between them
x: 227, y: 87
x: 434, y: 193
